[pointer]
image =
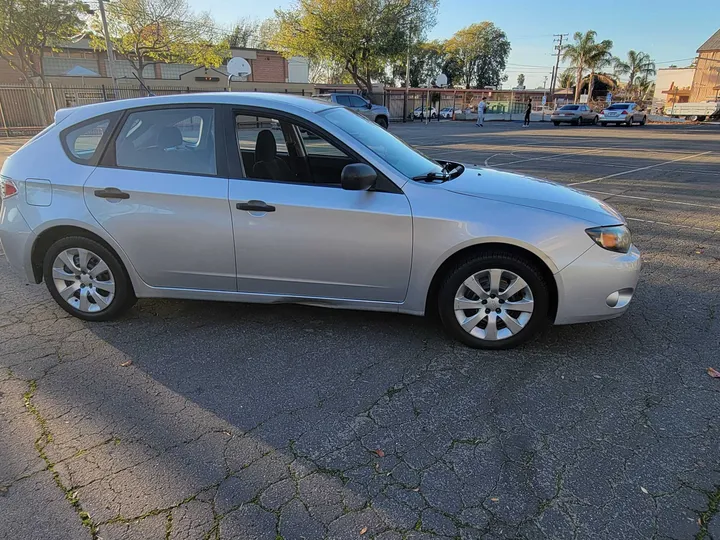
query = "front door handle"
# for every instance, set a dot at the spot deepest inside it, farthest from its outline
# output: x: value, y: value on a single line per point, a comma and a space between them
x: 255, y: 206
x: 111, y: 193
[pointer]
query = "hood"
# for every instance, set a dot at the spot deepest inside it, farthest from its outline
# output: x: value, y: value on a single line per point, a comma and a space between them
x: 379, y: 108
x: 533, y: 192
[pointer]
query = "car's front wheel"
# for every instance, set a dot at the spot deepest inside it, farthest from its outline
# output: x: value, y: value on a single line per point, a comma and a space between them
x: 595, y: 121
x: 556, y: 123
x: 643, y: 121
x: 382, y: 122
x: 86, y: 279
x: 494, y: 300
x: 604, y: 124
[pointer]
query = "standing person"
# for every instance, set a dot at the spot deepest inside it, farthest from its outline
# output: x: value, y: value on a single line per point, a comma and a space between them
x: 526, y: 122
x: 481, y: 112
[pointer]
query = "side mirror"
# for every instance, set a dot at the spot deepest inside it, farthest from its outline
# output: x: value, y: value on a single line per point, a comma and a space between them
x: 368, y: 105
x: 358, y: 177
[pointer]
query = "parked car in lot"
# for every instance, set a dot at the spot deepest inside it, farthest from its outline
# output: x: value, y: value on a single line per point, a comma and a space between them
x: 377, y: 113
x: 447, y: 112
x: 574, y: 114
x: 623, y: 113
x: 195, y: 196
x: 420, y: 112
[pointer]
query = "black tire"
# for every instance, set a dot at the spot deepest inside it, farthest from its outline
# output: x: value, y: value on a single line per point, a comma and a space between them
x: 643, y: 121
x: 382, y: 122
x: 629, y: 122
x: 576, y: 122
x: 124, y: 293
x: 604, y: 124
x: 595, y: 121
x: 433, y: 116
x: 484, y: 261
x: 556, y: 123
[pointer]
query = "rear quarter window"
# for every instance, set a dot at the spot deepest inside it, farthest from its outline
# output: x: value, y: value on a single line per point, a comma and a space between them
x: 83, y: 143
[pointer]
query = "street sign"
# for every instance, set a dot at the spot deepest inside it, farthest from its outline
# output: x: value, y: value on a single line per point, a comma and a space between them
x: 583, y: 98
x: 608, y: 98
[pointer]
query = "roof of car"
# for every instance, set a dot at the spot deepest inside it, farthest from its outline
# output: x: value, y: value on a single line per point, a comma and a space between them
x: 257, y: 99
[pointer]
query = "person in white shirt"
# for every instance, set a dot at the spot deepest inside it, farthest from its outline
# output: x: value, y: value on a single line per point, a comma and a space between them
x: 481, y: 112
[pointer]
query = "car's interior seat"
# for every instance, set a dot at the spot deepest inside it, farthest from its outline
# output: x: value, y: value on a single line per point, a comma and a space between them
x: 268, y: 165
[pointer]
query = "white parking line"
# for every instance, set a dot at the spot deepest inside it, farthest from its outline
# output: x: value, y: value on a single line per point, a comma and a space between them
x: 651, y: 199
x: 640, y: 169
x: 677, y: 226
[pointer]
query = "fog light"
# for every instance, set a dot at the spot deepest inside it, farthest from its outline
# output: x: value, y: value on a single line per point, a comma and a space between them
x: 620, y: 298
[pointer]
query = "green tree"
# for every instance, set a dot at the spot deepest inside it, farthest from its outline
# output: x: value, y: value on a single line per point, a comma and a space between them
x: 480, y: 51
x: 363, y: 36
x: 29, y: 28
x: 567, y: 78
x: 146, y: 32
x: 579, y: 54
x: 599, y: 58
x: 521, y: 80
x: 243, y: 33
x: 638, y: 67
x: 427, y: 61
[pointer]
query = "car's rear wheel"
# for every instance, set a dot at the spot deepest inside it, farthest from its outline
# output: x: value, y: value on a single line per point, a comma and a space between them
x: 382, y: 122
x: 643, y: 121
x: 629, y: 121
x: 576, y: 122
x: 556, y: 123
x: 596, y: 120
x: 494, y: 300
x: 86, y: 279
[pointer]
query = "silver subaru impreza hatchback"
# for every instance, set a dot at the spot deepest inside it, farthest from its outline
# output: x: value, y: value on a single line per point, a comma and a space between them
x: 271, y: 198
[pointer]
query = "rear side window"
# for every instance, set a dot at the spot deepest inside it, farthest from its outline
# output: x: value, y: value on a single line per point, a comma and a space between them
x: 82, y: 142
x: 168, y: 140
x: 619, y: 107
x: 569, y: 108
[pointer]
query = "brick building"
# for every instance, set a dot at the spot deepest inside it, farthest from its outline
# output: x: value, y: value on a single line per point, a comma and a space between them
x: 77, y: 64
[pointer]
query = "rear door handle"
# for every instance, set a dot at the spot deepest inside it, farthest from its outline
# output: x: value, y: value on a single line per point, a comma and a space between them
x: 255, y: 206
x: 111, y: 193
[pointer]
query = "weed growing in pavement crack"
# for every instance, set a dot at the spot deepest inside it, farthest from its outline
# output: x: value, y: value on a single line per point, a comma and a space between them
x: 41, y: 443
x: 707, y: 515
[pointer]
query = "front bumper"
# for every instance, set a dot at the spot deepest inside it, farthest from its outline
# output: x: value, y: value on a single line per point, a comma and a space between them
x: 17, y: 239
x: 597, y: 285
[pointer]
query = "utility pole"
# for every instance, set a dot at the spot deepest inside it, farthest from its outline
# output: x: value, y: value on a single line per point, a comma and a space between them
x: 108, y: 46
x: 557, y: 38
x: 407, y: 79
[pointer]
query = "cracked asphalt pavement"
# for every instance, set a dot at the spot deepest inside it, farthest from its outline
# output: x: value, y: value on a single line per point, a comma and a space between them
x: 192, y: 420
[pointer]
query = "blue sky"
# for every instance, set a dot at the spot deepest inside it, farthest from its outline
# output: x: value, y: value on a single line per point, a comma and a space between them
x: 668, y: 31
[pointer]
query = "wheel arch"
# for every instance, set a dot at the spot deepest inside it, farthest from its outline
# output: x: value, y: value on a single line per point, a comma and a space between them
x: 542, y: 265
x: 48, y: 236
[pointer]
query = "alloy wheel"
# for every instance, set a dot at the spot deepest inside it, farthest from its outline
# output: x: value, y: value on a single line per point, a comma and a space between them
x: 83, y: 280
x: 493, y: 304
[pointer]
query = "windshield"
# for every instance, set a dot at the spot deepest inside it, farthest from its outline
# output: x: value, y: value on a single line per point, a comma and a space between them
x: 618, y: 107
x: 569, y: 108
x: 396, y: 153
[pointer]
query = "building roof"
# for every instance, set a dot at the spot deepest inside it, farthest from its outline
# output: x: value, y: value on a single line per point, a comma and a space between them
x: 712, y: 44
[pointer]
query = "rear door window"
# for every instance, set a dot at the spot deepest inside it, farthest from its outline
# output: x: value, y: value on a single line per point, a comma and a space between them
x: 168, y: 140
x: 619, y: 107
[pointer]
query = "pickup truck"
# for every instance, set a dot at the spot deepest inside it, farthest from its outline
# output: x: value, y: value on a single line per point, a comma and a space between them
x: 694, y: 111
x: 377, y: 113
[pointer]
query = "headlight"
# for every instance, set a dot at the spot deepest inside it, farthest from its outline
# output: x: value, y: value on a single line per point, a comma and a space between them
x: 614, y: 238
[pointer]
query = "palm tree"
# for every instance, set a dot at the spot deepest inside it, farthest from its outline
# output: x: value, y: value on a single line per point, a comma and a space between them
x: 639, y: 66
x: 566, y: 78
x: 599, y: 58
x: 579, y: 53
